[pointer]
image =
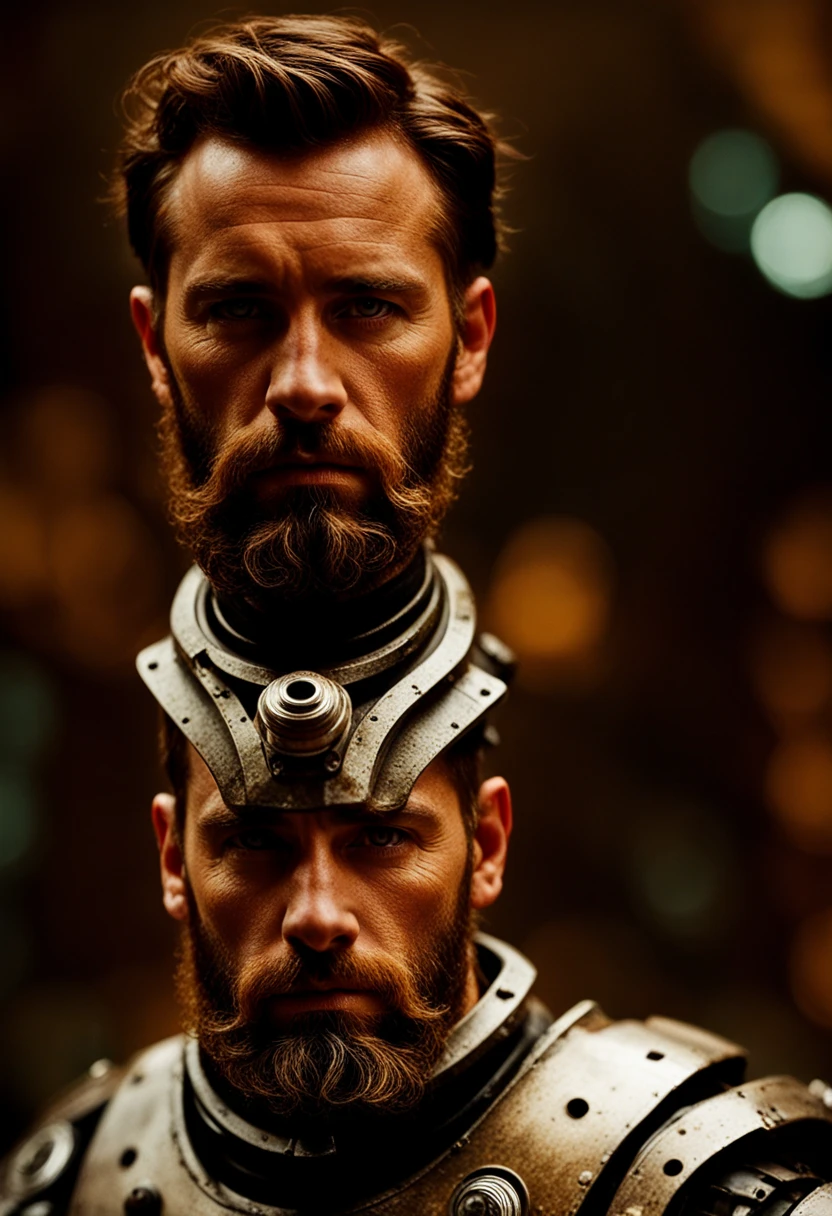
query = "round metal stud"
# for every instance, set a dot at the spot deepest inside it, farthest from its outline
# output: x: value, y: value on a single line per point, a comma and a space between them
x: 303, y: 713
x: 41, y: 1159
x: 144, y: 1199
x: 492, y: 1191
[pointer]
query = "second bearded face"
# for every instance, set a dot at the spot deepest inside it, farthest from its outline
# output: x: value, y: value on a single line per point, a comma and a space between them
x: 308, y: 364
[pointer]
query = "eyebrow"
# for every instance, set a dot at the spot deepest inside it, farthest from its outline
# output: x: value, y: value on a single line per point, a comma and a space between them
x: 358, y: 285
x: 223, y: 818
x: 207, y: 289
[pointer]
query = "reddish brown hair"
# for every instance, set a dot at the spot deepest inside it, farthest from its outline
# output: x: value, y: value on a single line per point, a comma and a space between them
x: 287, y: 84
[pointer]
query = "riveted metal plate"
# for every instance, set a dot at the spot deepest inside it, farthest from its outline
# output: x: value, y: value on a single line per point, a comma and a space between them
x: 673, y: 1156
x: 816, y: 1203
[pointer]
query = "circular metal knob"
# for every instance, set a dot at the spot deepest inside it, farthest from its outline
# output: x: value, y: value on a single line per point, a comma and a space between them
x: 303, y: 713
x: 493, y: 1191
x: 41, y: 1160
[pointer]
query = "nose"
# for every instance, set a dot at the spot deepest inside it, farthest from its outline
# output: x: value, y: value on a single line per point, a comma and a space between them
x: 318, y: 915
x: 305, y: 382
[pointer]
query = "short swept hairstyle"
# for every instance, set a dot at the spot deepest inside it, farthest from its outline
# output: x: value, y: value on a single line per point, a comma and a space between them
x: 292, y: 84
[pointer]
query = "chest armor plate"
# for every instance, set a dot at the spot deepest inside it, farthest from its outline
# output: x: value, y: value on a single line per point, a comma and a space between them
x: 609, y: 1109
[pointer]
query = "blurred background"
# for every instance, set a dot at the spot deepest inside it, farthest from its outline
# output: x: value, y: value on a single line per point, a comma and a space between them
x: 648, y: 523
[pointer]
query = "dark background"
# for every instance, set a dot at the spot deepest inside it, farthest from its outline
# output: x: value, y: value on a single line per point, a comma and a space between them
x: 648, y: 522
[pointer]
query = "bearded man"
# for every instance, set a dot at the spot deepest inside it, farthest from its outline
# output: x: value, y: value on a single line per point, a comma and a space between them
x: 314, y: 215
x: 315, y: 212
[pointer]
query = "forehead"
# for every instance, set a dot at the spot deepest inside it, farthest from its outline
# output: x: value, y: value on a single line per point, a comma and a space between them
x: 434, y: 791
x: 370, y: 195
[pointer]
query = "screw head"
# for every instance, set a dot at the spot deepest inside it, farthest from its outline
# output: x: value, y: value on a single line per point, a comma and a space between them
x: 144, y: 1199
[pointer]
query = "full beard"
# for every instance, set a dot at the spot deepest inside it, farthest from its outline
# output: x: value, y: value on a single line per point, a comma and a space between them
x: 312, y: 543
x: 325, y: 1064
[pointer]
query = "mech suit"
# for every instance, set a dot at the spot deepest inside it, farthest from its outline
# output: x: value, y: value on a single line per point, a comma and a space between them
x: 524, y: 1115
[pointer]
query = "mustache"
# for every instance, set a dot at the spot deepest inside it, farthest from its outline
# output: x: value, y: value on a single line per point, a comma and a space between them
x: 243, y: 456
x: 391, y: 980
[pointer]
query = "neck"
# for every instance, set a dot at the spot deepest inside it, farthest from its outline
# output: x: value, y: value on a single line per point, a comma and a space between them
x: 318, y: 625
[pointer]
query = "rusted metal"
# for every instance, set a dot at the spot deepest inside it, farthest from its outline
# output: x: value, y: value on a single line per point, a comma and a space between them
x: 435, y: 687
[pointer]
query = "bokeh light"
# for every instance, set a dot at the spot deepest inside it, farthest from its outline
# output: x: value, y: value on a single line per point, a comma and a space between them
x: 791, y: 241
x: 732, y: 174
x: 791, y: 668
x: 18, y: 815
x: 797, y: 558
x: 66, y: 442
x: 681, y: 865
x: 798, y: 788
x: 27, y: 707
x: 550, y: 598
x: 811, y: 967
x: 23, y: 569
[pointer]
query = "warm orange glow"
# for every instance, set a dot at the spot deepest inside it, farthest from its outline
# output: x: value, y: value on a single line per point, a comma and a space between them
x: 799, y: 791
x: 66, y: 441
x: 791, y: 666
x: 105, y: 577
x: 797, y: 559
x: 811, y: 967
x: 23, y: 574
x: 550, y: 599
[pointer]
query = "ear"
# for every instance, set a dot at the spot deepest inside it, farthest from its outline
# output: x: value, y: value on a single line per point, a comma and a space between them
x: 479, y: 321
x: 143, y: 312
x: 491, y: 841
x: 171, y: 861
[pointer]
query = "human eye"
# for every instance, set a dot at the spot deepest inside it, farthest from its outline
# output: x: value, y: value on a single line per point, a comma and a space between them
x: 367, y: 308
x: 254, y: 840
x: 238, y: 309
x: 383, y: 838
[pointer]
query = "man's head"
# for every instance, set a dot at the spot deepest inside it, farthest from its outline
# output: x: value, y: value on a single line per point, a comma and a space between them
x: 327, y: 955
x: 314, y: 212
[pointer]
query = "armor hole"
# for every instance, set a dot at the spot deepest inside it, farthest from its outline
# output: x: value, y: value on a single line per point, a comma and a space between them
x: 127, y: 1158
x: 505, y: 994
x: 655, y: 1055
x: 152, y: 666
x: 761, y: 1194
x: 576, y: 1108
x: 673, y: 1166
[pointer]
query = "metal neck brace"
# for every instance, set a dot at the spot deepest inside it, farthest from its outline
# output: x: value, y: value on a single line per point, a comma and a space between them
x: 356, y: 728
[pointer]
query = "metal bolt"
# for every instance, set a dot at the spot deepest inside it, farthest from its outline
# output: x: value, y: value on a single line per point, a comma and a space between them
x: 474, y: 1205
x: 332, y: 762
x: 144, y: 1199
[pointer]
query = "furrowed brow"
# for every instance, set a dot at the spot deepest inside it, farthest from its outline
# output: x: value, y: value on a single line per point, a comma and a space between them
x: 208, y: 289
x: 222, y: 818
x: 362, y: 284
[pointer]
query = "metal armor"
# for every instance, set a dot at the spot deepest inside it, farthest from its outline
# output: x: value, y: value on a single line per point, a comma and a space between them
x: 581, y: 1115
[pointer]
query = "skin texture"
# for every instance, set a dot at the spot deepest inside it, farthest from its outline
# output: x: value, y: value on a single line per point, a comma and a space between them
x: 309, y: 288
x: 331, y: 880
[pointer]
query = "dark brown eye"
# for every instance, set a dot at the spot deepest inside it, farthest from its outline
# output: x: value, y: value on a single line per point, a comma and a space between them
x: 368, y: 308
x: 384, y: 838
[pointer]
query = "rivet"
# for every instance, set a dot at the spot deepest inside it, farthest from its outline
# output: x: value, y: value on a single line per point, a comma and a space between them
x: 584, y: 1178
x: 144, y: 1199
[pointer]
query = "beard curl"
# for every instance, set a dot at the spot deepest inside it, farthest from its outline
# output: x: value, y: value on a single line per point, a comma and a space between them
x: 313, y: 543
